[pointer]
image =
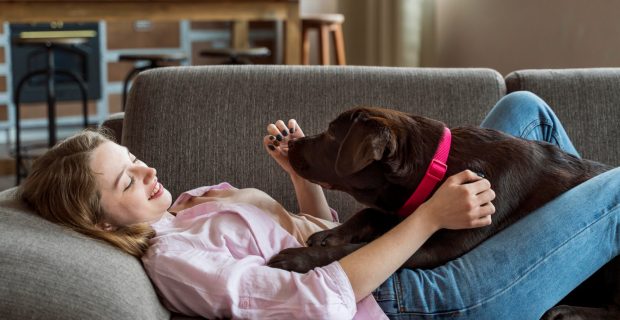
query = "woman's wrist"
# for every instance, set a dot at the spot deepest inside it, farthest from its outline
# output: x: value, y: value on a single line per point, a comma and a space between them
x: 427, y: 215
x: 299, y: 180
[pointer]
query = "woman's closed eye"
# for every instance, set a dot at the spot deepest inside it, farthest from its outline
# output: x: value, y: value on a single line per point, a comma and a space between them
x: 131, y: 179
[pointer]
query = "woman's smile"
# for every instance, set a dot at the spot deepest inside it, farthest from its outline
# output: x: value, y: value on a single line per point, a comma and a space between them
x: 158, y: 190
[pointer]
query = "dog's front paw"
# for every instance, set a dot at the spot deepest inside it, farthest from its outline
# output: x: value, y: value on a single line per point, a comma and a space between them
x: 299, y: 260
x: 328, y: 238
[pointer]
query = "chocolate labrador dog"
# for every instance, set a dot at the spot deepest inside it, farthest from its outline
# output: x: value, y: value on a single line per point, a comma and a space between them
x: 380, y: 156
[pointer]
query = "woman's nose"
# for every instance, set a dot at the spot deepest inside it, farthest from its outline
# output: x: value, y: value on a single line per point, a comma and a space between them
x: 149, y: 174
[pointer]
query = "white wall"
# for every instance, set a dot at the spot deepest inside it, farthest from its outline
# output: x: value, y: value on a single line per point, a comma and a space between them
x: 517, y: 34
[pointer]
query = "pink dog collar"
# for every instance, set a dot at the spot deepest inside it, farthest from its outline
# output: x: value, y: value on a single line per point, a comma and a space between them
x: 435, y: 173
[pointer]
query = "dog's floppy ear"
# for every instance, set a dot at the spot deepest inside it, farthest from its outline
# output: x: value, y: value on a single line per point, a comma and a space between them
x: 364, y: 143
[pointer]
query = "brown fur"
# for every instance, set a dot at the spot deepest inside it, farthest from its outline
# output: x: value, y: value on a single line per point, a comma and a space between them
x: 379, y: 156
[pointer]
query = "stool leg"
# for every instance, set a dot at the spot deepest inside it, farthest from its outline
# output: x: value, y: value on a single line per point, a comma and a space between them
x: 130, y: 75
x: 324, y: 44
x: 305, y: 51
x: 339, y: 44
x: 16, y: 96
x: 83, y: 91
x: 51, y: 98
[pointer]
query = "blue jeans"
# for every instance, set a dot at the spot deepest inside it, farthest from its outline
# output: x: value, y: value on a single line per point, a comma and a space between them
x: 530, y: 266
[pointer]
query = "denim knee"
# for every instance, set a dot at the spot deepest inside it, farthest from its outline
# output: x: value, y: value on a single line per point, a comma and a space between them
x: 520, y: 103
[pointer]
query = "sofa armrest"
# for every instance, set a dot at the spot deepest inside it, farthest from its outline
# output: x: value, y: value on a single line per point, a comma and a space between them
x: 51, y: 272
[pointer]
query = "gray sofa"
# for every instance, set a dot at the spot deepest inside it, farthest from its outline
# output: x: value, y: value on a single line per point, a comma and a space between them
x: 203, y: 125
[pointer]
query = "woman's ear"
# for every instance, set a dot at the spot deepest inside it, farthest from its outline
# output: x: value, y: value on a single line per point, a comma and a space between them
x: 106, y: 226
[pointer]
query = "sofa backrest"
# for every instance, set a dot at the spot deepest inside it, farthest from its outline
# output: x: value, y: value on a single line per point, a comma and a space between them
x: 203, y: 125
x: 50, y: 272
x: 587, y: 102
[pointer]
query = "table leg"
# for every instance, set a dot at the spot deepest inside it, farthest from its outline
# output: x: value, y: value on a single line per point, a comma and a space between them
x: 293, y: 35
x: 241, y: 34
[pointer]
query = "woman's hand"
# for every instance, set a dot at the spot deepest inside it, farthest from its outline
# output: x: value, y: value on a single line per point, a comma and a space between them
x: 310, y: 196
x: 463, y: 201
x: 276, y: 143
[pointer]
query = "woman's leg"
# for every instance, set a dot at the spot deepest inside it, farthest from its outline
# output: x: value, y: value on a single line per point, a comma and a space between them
x: 522, y: 271
x: 525, y: 115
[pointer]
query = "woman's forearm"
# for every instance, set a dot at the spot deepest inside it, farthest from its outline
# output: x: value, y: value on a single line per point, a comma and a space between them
x: 311, y: 198
x: 372, y: 264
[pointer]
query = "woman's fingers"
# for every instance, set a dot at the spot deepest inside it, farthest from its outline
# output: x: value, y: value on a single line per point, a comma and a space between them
x: 481, y: 222
x: 294, y: 129
x: 487, y: 209
x: 479, y: 186
x: 485, y: 196
x: 483, y: 216
x: 465, y: 176
x: 282, y: 128
x: 268, y: 142
x: 274, y: 131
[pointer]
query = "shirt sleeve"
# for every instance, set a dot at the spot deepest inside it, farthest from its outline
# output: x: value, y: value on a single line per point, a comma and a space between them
x: 334, y: 213
x: 216, y: 285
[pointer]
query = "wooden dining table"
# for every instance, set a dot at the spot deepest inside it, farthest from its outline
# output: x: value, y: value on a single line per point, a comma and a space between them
x: 240, y: 12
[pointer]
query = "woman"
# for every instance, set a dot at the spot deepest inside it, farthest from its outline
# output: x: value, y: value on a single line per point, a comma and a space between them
x: 208, y: 252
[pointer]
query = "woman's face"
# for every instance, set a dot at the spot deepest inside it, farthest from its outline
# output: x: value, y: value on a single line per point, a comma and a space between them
x: 130, y: 192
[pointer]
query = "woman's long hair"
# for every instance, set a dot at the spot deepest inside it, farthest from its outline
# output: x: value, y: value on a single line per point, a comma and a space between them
x: 62, y: 189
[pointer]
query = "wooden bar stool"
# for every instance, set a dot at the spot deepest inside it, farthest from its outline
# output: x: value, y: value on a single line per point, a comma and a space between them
x: 324, y: 24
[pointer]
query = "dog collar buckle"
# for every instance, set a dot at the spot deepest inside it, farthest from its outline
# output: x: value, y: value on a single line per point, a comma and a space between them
x: 434, y: 174
x: 436, y: 170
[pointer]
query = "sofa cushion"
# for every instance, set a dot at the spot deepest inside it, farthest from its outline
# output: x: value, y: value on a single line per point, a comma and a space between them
x: 114, y: 125
x: 50, y: 272
x: 203, y: 125
x: 587, y: 101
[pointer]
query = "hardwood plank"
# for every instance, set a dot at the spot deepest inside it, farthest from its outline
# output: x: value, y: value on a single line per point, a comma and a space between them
x: 158, y: 11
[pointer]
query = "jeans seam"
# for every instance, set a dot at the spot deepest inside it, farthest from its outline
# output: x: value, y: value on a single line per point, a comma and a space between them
x: 399, y: 293
x: 540, y: 122
x: 532, y: 124
x: 527, y: 271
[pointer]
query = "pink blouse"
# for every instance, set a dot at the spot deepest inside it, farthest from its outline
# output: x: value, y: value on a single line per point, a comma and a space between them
x: 209, y: 260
